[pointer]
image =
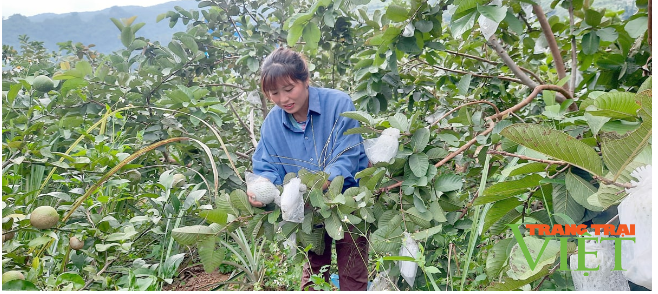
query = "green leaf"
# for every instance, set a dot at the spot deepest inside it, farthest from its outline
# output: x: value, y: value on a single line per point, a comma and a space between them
x: 73, y: 278
x: 519, y: 268
x: 117, y: 23
x: 214, y: 216
x: 311, y: 35
x: 580, y: 190
x: 424, y: 26
x: 408, y: 45
x: 619, y: 152
x: 84, y: 67
x: 19, y: 285
x: 556, y: 144
x: 387, y: 239
x: 464, y: 84
x: 464, y: 5
x: 498, y: 210
x: 497, y: 257
x: 460, y: 26
x: 528, y: 168
x: 177, y: 49
x: 563, y: 203
x: 514, y: 23
x: 127, y: 36
x: 420, y: 139
x: 73, y: 84
x: 646, y: 85
x: 400, y: 122
x: 191, y: 234
x: 495, y: 13
x: 509, y: 284
x: 190, y: 43
x: 616, y: 105
x: 361, y: 116
x: 637, y: 27
x: 210, y: 257
x: 418, y: 162
x: 609, y: 195
x: 593, y: 17
x: 294, y: 34
x: 595, y: 122
x: 608, y: 34
x: 448, y: 182
x: 437, y: 212
x: 240, y: 200
x: 590, y: 43
x: 334, y: 227
x: 396, y: 13
x: 252, y: 64
x: 425, y: 234
x: 504, y: 190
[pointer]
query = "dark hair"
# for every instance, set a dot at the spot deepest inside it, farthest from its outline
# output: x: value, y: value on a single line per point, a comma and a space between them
x: 282, y: 63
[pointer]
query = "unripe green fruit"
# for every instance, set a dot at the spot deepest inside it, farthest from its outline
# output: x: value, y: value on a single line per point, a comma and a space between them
x: 134, y: 176
x: 8, y: 236
x: 179, y: 180
x: 75, y: 243
x: 12, y: 275
x: 44, y: 217
x: 43, y: 83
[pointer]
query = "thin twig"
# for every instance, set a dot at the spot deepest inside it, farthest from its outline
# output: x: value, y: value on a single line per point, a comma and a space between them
x: 574, y: 55
x: 493, y: 42
x: 546, y: 276
x: 534, y: 75
x: 473, y: 74
x: 237, y: 116
x: 611, y: 182
x: 523, y: 157
x: 552, y: 44
x: 225, y: 85
x: 612, y: 219
x: 466, y: 104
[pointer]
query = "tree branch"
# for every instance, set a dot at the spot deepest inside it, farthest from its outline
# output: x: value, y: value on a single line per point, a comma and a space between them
x: 523, y: 157
x: 471, y: 73
x: 460, y: 106
x: 493, y: 42
x: 611, y: 182
x: 574, y: 55
x: 552, y: 44
x: 534, y: 75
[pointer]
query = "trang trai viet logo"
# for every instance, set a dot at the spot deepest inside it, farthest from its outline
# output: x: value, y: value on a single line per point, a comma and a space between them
x: 568, y: 232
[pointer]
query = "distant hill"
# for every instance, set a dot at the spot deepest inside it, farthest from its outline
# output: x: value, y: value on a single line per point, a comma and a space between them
x: 96, y: 27
x: 93, y: 27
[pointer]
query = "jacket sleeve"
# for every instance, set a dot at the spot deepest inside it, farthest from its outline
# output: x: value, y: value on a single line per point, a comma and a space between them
x: 347, y: 150
x: 264, y: 165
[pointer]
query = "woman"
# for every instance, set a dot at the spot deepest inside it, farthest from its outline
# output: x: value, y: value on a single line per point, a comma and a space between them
x: 305, y: 131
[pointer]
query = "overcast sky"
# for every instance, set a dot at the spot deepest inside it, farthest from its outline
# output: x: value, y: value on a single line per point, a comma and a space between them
x: 33, y: 7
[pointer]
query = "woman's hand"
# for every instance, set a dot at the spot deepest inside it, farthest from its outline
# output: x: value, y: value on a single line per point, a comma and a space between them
x: 253, y: 201
x: 326, y: 185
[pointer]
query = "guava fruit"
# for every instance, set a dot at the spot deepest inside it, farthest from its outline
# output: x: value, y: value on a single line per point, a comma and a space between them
x: 44, y: 217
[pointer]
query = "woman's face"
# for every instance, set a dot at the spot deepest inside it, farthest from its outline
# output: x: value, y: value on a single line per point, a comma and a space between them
x: 292, y: 97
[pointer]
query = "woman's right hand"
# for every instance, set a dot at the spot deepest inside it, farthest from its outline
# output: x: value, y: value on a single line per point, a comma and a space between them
x: 253, y: 201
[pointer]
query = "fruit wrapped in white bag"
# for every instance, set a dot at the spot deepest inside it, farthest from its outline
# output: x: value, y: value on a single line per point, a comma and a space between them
x: 636, y: 209
x: 292, y: 201
x: 384, y: 148
x: 603, y: 279
x: 264, y: 191
x: 408, y: 269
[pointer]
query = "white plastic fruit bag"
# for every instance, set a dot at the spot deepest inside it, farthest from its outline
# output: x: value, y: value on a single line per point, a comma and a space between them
x: 636, y: 209
x: 408, y: 269
x: 264, y: 191
x: 292, y: 201
x: 384, y: 148
x: 382, y: 282
x: 603, y: 279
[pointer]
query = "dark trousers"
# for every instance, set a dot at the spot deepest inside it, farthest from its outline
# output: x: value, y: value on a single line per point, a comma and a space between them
x: 352, y: 260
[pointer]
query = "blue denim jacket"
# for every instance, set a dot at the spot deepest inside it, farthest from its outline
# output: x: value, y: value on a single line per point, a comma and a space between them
x: 320, y: 147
